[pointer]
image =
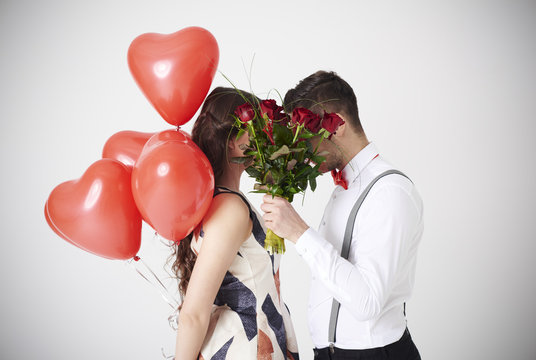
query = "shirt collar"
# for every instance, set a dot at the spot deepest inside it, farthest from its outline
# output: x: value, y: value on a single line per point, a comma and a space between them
x: 352, y: 170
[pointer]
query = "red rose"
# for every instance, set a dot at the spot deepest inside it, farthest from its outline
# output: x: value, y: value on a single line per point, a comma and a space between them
x: 313, y: 123
x: 300, y: 114
x: 331, y: 122
x: 271, y: 109
x: 309, y: 119
x: 245, y: 112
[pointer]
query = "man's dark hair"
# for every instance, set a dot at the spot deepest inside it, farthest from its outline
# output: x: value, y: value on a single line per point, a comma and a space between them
x: 325, y: 91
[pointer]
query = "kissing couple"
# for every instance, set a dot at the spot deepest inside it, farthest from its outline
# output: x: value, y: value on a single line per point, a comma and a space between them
x: 362, y: 257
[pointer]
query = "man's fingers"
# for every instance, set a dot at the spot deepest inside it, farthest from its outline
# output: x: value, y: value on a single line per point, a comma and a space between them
x: 272, y: 200
x: 270, y: 210
x: 270, y: 207
x: 268, y: 217
x: 267, y: 207
x: 268, y: 199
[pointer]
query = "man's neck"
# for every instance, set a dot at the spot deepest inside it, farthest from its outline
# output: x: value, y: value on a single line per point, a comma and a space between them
x: 354, y: 145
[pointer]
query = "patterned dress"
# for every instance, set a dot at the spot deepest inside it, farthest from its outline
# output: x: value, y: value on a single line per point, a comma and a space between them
x: 249, y: 319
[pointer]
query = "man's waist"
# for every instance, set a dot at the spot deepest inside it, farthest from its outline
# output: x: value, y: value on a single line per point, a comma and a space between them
x: 364, y: 340
x: 382, y: 330
x: 360, y: 352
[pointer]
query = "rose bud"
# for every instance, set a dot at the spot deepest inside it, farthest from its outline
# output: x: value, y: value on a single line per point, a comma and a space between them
x: 245, y: 112
x: 271, y: 109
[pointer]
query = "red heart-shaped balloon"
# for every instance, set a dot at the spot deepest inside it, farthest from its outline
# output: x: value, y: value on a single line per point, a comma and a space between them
x: 174, y: 71
x: 97, y: 211
x: 125, y: 146
x: 172, y: 184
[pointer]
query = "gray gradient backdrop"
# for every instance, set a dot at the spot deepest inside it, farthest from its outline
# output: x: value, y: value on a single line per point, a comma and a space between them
x: 446, y: 90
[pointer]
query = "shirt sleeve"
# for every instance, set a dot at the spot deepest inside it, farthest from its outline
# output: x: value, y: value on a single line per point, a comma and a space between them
x: 383, y: 231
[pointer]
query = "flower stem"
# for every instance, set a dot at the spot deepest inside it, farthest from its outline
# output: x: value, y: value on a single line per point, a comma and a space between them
x: 318, y: 145
x: 257, y: 143
x: 296, y: 134
x: 273, y: 243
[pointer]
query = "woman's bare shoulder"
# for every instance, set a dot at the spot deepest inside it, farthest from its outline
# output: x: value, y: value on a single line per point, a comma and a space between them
x: 227, y: 213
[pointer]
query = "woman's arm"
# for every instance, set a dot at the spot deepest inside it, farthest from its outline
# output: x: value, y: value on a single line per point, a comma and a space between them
x: 226, y: 226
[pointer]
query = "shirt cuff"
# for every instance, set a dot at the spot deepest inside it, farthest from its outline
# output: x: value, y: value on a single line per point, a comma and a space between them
x: 308, y: 244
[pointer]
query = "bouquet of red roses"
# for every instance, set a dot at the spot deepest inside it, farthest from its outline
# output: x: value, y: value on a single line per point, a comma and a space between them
x: 282, y: 154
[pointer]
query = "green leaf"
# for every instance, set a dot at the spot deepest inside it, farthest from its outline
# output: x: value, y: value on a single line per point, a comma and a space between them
x: 312, y: 182
x: 282, y: 134
x: 318, y: 159
x: 277, y: 175
x: 306, y: 135
x: 259, y: 191
x: 240, y: 133
x: 268, y: 178
x: 253, y: 172
x: 283, y: 150
x: 291, y: 164
x: 240, y: 159
x: 258, y: 186
x: 304, y: 171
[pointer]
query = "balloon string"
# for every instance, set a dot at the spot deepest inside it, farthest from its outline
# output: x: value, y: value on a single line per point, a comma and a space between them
x: 168, y: 298
x: 171, y: 357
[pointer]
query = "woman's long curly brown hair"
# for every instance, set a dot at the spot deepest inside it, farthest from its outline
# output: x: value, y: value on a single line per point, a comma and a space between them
x: 212, y: 131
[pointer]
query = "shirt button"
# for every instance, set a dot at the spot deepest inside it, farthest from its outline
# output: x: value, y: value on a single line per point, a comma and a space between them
x: 323, y: 223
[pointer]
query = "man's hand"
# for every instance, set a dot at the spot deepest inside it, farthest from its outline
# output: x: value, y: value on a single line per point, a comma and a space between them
x: 282, y: 219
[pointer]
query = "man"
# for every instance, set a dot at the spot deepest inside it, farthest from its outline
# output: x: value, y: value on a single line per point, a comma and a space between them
x: 374, y: 282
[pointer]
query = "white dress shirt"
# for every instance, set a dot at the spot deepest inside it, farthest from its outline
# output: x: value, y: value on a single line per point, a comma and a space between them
x: 378, y: 277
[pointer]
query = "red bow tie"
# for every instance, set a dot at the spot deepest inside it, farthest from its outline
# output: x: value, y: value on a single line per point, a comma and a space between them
x: 338, y: 179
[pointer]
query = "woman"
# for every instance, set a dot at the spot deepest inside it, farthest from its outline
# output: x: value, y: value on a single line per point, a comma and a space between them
x: 232, y: 308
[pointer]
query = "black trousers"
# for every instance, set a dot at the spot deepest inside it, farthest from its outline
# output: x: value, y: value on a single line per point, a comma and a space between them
x: 403, y: 349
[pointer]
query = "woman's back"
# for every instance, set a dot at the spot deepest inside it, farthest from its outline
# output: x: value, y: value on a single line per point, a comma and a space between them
x: 249, y: 319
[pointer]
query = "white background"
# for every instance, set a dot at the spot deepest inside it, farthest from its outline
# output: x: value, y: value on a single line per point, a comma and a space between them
x: 446, y: 90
